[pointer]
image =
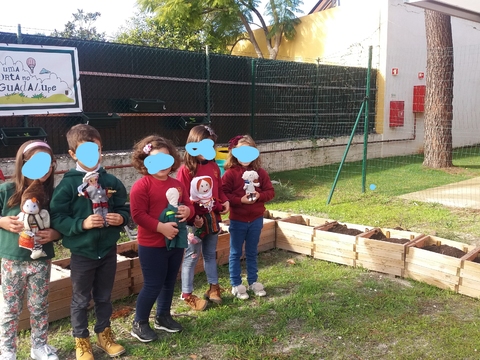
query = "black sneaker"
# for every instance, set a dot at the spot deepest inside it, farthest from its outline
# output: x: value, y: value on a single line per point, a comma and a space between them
x: 143, y: 332
x: 165, y: 322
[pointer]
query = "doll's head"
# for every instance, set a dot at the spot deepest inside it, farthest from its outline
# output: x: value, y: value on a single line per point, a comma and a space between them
x: 33, y: 198
x: 201, y: 188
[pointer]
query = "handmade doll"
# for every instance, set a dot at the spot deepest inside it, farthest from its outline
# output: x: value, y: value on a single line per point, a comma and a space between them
x: 34, y: 218
x: 169, y: 215
x: 205, y: 205
x: 251, y: 182
x: 92, y: 190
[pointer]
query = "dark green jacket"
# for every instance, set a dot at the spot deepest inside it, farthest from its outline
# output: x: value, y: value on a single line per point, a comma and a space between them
x: 180, y: 240
x: 68, y: 210
x: 9, y: 248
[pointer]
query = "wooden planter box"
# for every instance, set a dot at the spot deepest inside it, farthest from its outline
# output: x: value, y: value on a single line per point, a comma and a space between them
x: 129, y: 250
x: 384, y: 256
x: 101, y: 119
x: 187, y: 122
x: 147, y: 105
x: 276, y: 215
x: 436, y: 269
x: 469, y: 283
x: 295, y: 234
x: 336, y: 247
x: 16, y: 136
x: 267, y: 236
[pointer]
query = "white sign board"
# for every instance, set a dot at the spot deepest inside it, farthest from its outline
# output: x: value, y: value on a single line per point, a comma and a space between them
x: 39, y: 80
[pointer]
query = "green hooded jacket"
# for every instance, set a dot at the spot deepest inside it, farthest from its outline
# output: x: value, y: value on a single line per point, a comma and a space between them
x: 68, y: 210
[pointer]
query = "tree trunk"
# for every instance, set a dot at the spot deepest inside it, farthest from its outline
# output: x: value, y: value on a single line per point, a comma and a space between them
x: 439, y: 91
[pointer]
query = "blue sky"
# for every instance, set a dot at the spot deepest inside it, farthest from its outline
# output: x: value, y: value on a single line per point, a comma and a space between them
x: 44, y: 16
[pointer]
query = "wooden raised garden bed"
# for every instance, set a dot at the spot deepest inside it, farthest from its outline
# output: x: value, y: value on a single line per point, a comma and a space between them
x: 335, y: 242
x: 383, y: 250
x: 295, y: 234
x: 469, y: 283
x: 429, y: 260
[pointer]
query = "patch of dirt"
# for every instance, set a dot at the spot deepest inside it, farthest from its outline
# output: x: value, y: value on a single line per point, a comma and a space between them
x: 343, y: 229
x: 129, y: 254
x: 448, y: 250
x: 381, y: 236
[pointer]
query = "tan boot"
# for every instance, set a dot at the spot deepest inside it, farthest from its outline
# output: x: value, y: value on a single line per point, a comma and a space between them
x: 83, y: 349
x: 213, y: 294
x: 106, y: 342
x: 195, y: 303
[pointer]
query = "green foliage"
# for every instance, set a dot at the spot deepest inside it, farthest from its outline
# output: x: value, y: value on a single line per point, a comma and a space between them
x: 222, y: 23
x: 82, y: 27
x: 146, y: 30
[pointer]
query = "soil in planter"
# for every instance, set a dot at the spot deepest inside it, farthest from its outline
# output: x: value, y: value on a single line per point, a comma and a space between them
x: 448, y: 250
x: 381, y: 236
x: 343, y: 229
x: 129, y: 254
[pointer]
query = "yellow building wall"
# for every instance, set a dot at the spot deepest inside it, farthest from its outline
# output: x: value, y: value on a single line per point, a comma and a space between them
x: 340, y: 35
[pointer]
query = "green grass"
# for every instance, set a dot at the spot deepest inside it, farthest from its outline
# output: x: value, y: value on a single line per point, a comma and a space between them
x: 321, y: 310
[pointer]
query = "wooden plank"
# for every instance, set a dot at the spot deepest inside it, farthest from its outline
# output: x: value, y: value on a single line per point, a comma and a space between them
x: 435, y: 280
x: 289, y: 246
x: 334, y: 258
x: 432, y: 260
x: 469, y: 291
x: 393, y: 253
x: 307, y: 243
x: 380, y: 267
x: 337, y: 242
x: 383, y: 261
x: 338, y: 251
x: 433, y: 276
x: 284, y: 227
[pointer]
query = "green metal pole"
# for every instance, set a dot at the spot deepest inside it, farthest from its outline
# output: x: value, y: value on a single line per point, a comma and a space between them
x: 365, y: 127
x: 19, y: 34
x: 252, y: 116
x: 207, y: 65
x: 345, y: 153
x: 317, y: 94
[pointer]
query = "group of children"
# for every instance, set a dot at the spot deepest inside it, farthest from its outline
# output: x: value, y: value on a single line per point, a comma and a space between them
x: 178, y: 220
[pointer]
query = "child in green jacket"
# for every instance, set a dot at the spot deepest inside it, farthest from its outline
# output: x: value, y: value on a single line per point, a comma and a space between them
x: 92, y: 244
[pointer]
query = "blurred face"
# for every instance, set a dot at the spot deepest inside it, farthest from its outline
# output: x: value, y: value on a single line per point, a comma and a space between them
x: 50, y: 169
x: 162, y: 174
x: 244, y: 164
x: 88, y: 158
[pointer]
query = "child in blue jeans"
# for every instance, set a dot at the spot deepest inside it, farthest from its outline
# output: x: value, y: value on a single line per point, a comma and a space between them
x: 247, y: 205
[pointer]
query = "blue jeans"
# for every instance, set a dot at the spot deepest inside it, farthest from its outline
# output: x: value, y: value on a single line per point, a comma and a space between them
x: 208, y: 247
x: 160, y: 269
x: 248, y: 233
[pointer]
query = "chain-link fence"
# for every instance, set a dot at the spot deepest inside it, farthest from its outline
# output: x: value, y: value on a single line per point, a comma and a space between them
x: 164, y: 91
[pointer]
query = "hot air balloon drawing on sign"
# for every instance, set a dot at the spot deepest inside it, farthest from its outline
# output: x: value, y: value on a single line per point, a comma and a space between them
x: 31, y: 63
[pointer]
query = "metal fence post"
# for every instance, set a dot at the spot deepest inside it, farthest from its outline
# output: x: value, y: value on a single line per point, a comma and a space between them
x: 252, y: 119
x: 19, y: 34
x: 365, y: 127
x: 207, y: 66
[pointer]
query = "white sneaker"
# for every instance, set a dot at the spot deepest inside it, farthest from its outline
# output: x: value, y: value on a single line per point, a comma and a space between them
x: 8, y: 356
x: 257, y: 289
x: 45, y: 352
x: 240, y: 292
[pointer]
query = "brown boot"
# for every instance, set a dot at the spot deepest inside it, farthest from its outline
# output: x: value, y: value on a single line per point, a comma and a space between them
x: 106, y: 342
x: 213, y: 294
x: 83, y: 349
x: 196, y: 303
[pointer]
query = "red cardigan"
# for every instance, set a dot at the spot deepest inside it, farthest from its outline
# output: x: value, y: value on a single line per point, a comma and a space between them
x: 233, y: 189
x: 147, y: 201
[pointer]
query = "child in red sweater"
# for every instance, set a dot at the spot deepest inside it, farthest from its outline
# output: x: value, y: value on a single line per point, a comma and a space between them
x: 247, y: 196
